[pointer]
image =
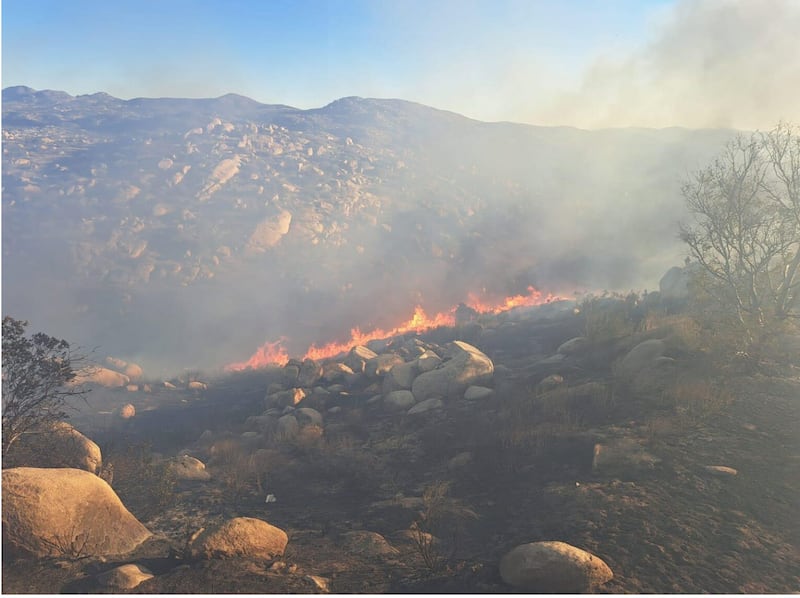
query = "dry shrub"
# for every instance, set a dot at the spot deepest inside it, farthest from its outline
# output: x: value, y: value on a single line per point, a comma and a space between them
x: 660, y: 427
x: 439, y: 523
x: 224, y: 451
x: 695, y: 401
x: 740, y: 344
x: 238, y: 469
x: 520, y: 434
x: 681, y: 332
x: 68, y: 545
x: 529, y: 427
x: 262, y: 464
x: 339, y: 438
x: 144, y: 483
x: 576, y: 405
x: 309, y: 439
x: 347, y: 471
x: 609, y: 317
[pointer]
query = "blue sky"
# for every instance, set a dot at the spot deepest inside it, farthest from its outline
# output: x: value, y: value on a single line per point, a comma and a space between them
x: 582, y: 62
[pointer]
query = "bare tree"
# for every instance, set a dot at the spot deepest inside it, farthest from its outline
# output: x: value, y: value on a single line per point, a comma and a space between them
x: 745, y: 233
x: 37, y: 371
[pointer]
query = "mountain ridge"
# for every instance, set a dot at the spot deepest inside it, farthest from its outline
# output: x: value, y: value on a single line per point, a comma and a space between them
x: 17, y: 92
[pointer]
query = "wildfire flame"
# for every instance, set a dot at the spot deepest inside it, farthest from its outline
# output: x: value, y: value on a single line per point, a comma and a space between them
x: 533, y: 297
x: 266, y: 354
x: 275, y: 353
x: 417, y: 323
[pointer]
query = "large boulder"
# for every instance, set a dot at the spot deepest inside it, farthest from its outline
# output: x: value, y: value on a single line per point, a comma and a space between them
x: 287, y: 427
x: 400, y: 377
x: 641, y: 357
x: 378, y: 366
x: 308, y: 417
x: 239, y: 537
x: 101, y: 377
x: 399, y: 400
x: 553, y: 568
x: 65, y: 512
x: 290, y: 374
x: 286, y: 398
x: 334, y: 371
x: 573, y: 345
x: 309, y: 374
x: 465, y: 367
x: 358, y: 357
x: 57, y: 445
x: 428, y: 361
x: 133, y: 371
x: 263, y: 424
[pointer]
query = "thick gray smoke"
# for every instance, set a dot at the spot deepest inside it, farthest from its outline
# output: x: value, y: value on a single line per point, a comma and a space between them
x: 715, y: 63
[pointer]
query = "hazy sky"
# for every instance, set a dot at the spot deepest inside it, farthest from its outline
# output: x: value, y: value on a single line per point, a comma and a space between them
x: 587, y: 63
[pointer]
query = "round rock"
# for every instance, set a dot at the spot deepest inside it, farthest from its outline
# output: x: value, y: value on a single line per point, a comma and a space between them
x: 553, y: 568
x: 46, y: 511
x: 125, y: 577
x: 188, y: 468
x: 239, y: 537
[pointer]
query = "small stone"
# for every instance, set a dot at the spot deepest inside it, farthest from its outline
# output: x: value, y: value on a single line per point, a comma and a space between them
x: 321, y: 583
x: 125, y: 577
x: 277, y: 566
x: 721, y: 471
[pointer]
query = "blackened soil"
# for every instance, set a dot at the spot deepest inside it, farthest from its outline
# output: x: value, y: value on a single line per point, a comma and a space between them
x: 675, y: 528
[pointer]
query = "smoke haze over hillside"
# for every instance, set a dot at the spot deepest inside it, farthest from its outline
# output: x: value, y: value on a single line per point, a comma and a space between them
x: 186, y: 233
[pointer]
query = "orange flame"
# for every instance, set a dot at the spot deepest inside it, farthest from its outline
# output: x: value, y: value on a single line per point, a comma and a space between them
x: 266, y: 354
x: 419, y: 322
x: 533, y: 297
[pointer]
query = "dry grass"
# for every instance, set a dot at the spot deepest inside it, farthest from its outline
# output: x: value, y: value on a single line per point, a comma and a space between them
x: 144, y: 483
x: 695, y: 401
x: 611, y: 316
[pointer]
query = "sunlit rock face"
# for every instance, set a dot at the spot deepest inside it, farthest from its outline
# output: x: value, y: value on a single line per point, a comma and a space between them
x: 553, y: 567
x: 43, y: 508
x: 57, y: 445
x: 186, y: 233
x: 239, y: 537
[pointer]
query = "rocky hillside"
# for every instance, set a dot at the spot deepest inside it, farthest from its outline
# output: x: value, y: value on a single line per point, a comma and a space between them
x: 606, y: 449
x: 184, y: 233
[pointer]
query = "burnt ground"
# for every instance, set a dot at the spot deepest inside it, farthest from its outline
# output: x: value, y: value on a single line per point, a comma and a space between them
x: 669, y: 528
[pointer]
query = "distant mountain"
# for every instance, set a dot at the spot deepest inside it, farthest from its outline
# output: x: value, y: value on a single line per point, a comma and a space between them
x: 186, y: 232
